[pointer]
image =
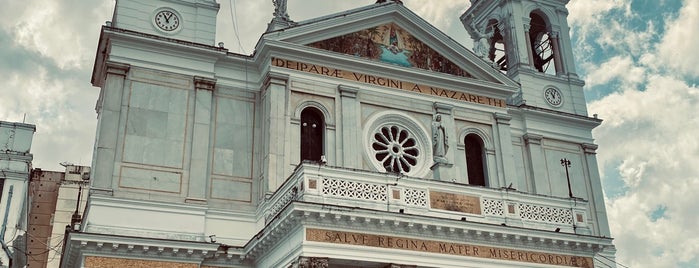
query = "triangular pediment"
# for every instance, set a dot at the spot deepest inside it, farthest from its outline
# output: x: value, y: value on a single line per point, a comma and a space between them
x: 390, y: 33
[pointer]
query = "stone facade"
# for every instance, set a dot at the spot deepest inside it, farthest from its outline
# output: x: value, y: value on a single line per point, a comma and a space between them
x: 205, y: 156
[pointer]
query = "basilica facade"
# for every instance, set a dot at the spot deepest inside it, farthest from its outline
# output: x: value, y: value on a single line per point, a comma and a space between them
x: 366, y: 138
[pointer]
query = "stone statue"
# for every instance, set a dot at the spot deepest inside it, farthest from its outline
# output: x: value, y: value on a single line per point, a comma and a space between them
x: 280, y: 10
x: 481, y: 46
x: 439, y: 140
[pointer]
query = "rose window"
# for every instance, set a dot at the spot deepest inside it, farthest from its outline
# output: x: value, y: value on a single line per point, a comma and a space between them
x: 395, y: 148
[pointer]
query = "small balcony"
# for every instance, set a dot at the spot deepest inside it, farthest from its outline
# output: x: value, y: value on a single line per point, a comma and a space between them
x: 395, y: 193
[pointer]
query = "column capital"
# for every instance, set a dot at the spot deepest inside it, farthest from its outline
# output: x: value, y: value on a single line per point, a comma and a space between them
x: 533, y: 138
x: 204, y: 83
x: 554, y: 34
x: 590, y: 148
x: 527, y: 23
x: 502, y: 118
x: 347, y: 91
x: 312, y: 262
x: 117, y: 68
x: 276, y: 78
x: 443, y: 108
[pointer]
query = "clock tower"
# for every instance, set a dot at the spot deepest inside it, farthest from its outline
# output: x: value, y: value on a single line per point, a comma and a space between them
x: 190, y: 20
x: 529, y: 41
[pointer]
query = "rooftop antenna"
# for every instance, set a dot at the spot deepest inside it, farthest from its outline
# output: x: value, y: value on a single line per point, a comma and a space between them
x: 566, y: 163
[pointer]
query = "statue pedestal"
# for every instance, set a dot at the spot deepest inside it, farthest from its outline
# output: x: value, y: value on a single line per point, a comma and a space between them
x: 441, y: 171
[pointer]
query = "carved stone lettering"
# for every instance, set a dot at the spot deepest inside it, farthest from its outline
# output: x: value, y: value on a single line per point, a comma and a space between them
x: 455, y: 202
x: 387, y: 82
x: 441, y: 247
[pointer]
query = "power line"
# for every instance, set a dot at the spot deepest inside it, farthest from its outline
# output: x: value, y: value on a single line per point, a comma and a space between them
x: 234, y: 20
x: 614, y: 261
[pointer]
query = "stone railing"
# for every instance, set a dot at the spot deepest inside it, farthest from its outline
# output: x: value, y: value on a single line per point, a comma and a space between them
x: 395, y: 193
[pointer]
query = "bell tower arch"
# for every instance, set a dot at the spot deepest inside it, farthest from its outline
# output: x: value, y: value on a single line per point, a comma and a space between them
x: 529, y: 41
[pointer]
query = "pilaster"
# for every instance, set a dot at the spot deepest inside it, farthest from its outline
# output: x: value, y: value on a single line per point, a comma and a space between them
x: 537, y: 164
x: 199, y: 161
x: 350, y: 127
x: 599, y: 210
x: 109, y: 114
x: 274, y: 103
x: 506, y: 169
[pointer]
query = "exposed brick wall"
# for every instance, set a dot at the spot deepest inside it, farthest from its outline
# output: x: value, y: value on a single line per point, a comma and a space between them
x: 107, y: 262
x: 43, y: 193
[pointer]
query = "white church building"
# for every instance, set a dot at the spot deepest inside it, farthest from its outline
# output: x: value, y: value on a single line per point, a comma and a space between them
x: 366, y: 138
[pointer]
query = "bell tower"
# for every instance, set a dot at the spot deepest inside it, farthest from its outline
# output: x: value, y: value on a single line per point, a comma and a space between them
x: 529, y: 41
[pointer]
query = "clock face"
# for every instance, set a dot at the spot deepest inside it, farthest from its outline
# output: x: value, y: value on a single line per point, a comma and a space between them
x: 167, y: 20
x: 553, y: 96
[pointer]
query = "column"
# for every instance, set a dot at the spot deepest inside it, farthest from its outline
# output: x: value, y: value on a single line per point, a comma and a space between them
x: 556, y: 53
x: 599, y: 211
x: 528, y: 41
x: 274, y: 103
x: 199, y: 160
x: 350, y: 127
x: 109, y: 109
x: 537, y: 164
x: 506, y: 170
x: 442, y: 168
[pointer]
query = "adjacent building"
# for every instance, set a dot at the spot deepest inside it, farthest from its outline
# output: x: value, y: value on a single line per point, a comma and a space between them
x: 15, y: 167
x: 57, y: 201
x: 366, y: 138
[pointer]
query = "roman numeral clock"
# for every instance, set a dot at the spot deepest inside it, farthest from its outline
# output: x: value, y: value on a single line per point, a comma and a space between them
x: 167, y: 20
x: 553, y: 96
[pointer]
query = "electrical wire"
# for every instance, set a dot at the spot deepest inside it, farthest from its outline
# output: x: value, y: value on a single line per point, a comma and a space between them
x: 614, y: 261
x: 234, y: 20
x: 54, y: 248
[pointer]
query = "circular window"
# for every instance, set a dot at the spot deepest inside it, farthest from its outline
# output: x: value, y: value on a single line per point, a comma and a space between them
x: 395, y: 148
x: 396, y: 144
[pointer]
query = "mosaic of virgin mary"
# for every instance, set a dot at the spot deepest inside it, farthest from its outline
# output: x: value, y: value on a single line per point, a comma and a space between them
x: 391, y: 44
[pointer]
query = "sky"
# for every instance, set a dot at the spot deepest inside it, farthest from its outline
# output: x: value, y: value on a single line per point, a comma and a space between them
x: 638, y: 57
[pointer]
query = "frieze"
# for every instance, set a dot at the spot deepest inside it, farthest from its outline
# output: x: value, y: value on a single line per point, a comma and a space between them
x: 388, y: 82
x: 449, y: 248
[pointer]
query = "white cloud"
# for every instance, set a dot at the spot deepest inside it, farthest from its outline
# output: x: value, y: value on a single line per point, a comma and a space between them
x: 588, y: 12
x: 252, y: 16
x: 56, y: 29
x: 62, y: 110
x: 48, y: 48
x: 618, y: 67
x: 678, y: 47
x: 439, y: 13
x: 653, y: 133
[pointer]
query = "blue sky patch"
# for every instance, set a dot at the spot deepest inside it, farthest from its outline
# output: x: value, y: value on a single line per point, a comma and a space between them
x: 658, y: 212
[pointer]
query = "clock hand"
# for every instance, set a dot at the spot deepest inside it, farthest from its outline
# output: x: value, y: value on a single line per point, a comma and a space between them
x: 167, y: 18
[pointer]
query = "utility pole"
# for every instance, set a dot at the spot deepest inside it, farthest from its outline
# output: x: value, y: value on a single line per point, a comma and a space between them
x: 566, y: 163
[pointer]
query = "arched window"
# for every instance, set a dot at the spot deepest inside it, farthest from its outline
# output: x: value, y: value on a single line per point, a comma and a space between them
x: 312, y: 129
x: 498, y: 52
x: 475, y: 159
x: 542, y: 44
